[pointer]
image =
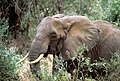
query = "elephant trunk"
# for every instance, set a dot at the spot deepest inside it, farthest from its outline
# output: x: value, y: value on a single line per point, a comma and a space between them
x: 38, y: 48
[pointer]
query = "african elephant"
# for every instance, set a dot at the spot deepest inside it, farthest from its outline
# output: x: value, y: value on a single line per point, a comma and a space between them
x: 63, y: 35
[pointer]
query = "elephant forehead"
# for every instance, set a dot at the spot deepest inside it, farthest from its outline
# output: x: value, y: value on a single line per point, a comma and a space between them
x: 49, y: 23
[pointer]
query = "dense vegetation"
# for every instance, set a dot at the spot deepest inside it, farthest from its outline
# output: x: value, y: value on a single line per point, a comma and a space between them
x: 18, y: 21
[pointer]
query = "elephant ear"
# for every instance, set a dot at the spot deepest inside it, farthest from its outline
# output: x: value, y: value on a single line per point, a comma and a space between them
x: 65, y: 24
x: 79, y: 31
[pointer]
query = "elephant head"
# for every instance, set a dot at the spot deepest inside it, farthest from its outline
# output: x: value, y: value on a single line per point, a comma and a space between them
x: 48, y: 40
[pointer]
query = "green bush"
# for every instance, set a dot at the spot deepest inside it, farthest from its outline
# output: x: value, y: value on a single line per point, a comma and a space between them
x: 8, y: 57
x: 8, y: 69
x: 95, y: 9
x: 103, y: 70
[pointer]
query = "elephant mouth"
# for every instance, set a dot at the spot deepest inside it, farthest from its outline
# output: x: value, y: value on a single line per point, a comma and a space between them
x: 54, y: 47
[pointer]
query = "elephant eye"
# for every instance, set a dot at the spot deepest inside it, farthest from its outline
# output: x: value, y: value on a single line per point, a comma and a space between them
x: 65, y: 28
x: 53, y: 35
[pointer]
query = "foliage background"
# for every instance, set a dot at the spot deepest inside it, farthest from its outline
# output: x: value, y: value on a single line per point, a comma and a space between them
x: 29, y: 13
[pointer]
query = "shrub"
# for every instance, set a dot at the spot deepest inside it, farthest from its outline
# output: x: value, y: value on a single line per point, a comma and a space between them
x: 97, y: 71
x: 8, y: 69
x: 8, y: 57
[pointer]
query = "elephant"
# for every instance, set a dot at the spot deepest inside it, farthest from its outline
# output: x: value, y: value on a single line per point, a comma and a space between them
x: 61, y: 35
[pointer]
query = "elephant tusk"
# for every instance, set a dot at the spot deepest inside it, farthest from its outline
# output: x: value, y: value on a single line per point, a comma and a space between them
x: 50, y: 57
x: 23, y: 58
x: 37, y: 60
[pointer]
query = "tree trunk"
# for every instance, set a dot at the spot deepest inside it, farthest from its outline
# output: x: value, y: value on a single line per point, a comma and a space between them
x: 12, y: 10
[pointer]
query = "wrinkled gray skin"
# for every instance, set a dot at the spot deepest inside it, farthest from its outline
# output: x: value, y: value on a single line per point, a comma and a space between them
x: 70, y: 32
x: 49, y: 31
x: 47, y: 39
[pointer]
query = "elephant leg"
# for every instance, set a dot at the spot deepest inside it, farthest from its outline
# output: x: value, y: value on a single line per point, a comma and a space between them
x: 71, y: 66
x: 35, y: 68
x: 74, y: 69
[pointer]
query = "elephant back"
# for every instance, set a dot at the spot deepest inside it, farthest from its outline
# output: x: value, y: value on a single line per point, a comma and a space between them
x: 108, y: 39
